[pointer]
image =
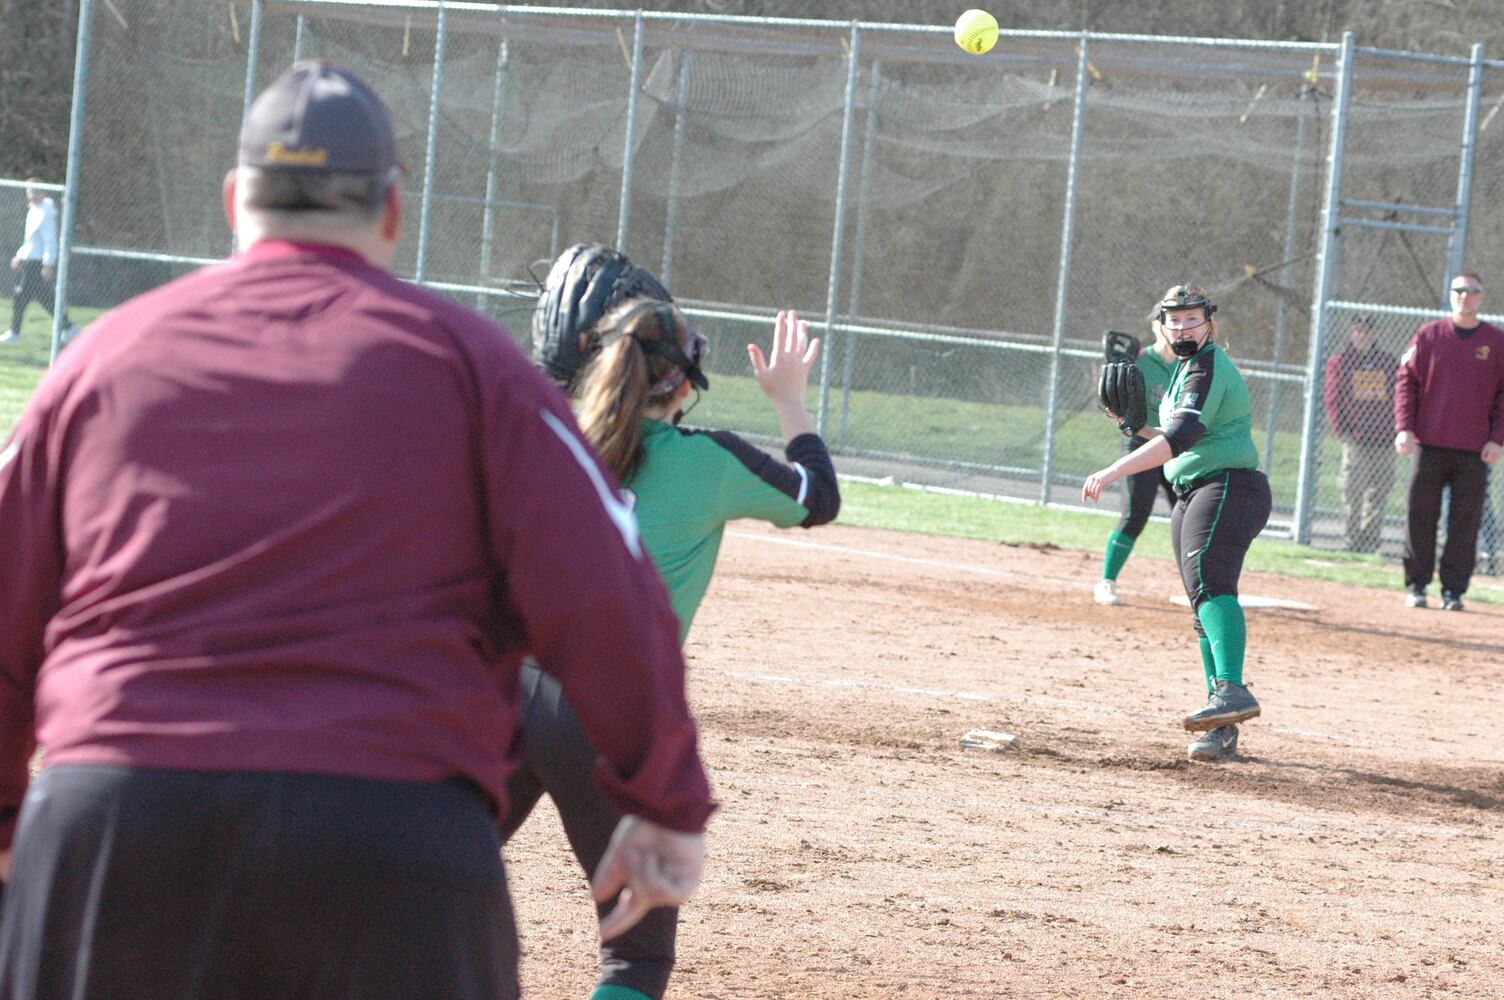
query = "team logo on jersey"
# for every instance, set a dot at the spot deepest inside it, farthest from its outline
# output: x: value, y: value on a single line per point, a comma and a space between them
x: 1409, y: 353
x: 1188, y: 400
x: 1482, y: 354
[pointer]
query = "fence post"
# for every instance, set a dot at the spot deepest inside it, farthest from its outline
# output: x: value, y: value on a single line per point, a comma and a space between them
x: 1457, y: 245
x: 1328, y: 252
x: 832, y: 288
x: 1062, y: 285
x: 493, y: 153
x: 671, y: 211
x: 297, y: 38
x: 1292, y: 219
x: 431, y: 149
x: 859, y: 254
x: 70, y: 175
x: 624, y: 217
x: 252, y: 53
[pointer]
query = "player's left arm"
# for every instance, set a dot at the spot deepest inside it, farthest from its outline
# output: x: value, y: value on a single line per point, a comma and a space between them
x: 1493, y: 449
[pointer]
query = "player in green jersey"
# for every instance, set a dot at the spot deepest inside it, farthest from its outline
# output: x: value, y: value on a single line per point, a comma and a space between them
x: 1205, y: 444
x: 608, y: 332
x: 1157, y: 362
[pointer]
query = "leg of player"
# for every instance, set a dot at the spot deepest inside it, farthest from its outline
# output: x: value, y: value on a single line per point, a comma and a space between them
x: 1138, y: 501
x: 1222, y: 516
x: 635, y: 965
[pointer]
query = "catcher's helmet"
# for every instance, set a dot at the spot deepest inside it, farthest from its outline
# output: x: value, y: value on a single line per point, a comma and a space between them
x: 585, y: 282
x: 1184, y: 297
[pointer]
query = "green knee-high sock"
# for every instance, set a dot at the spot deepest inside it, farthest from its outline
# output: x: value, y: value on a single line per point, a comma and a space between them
x: 609, y: 992
x: 1119, y: 546
x: 1208, y: 663
x: 1222, y: 618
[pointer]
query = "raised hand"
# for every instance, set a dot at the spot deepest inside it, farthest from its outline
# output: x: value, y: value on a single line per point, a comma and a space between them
x: 783, y: 375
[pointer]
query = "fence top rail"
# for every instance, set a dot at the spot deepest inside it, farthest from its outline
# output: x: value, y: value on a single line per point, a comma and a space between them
x: 473, y: 6
x: 1364, y: 50
x: 1497, y: 319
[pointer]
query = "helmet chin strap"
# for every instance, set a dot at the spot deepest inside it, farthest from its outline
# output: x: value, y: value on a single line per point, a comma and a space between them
x: 1185, y: 347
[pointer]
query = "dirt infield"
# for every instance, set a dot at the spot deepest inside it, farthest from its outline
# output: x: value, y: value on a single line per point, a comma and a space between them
x: 1357, y: 849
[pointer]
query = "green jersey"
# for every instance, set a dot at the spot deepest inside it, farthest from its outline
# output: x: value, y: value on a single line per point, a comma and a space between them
x: 1157, y: 374
x: 691, y: 482
x: 1207, y: 417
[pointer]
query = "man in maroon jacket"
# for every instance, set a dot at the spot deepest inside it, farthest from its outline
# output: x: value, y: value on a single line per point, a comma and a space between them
x: 1449, y: 401
x: 1359, y: 395
x: 275, y: 538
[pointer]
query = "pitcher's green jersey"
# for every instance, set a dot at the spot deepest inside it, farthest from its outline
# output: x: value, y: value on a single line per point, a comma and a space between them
x: 1209, y: 389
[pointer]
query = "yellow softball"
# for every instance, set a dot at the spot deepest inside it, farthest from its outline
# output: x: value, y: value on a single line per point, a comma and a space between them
x: 976, y: 31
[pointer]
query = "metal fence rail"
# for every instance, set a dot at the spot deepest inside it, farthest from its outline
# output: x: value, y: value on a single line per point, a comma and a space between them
x: 961, y: 228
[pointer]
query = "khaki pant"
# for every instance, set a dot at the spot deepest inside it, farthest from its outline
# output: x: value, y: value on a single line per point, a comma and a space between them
x: 1365, y: 479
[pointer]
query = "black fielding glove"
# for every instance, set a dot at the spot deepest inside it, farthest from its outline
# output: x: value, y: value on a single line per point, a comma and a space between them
x: 1121, y: 392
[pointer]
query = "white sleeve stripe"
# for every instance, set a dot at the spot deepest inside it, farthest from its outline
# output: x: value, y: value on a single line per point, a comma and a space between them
x: 9, y: 454
x: 803, y: 484
x: 621, y: 514
x: 1187, y: 409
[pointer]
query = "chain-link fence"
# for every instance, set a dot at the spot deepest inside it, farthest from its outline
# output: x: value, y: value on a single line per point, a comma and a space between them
x: 961, y: 229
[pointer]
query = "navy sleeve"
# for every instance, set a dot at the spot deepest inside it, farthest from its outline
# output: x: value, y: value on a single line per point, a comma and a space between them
x: 1187, y: 426
x: 822, y: 493
x: 802, y: 492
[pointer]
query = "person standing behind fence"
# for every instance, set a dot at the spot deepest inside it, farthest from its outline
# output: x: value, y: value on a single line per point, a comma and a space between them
x: 1158, y: 365
x: 274, y: 546
x: 35, y: 262
x: 1449, y: 410
x: 1359, y: 397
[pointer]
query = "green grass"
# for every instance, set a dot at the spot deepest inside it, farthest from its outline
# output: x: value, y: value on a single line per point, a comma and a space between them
x: 898, y: 508
x: 1000, y: 434
x: 23, y: 362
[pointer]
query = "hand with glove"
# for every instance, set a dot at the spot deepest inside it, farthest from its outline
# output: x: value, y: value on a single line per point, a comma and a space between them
x: 1121, y: 393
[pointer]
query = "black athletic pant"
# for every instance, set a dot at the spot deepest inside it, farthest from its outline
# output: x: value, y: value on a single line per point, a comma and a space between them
x: 1467, y: 475
x: 557, y: 758
x: 31, y: 287
x: 1138, y: 498
x: 130, y: 884
x: 1215, y: 520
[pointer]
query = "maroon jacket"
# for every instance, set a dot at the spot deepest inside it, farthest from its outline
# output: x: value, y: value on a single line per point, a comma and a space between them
x: 290, y: 513
x: 1449, y: 388
x: 1359, y: 395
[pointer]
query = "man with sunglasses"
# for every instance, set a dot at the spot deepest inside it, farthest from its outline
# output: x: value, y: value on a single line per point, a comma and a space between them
x: 1449, y: 412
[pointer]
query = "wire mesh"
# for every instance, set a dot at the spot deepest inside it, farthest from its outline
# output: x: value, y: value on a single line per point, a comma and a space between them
x: 933, y: 276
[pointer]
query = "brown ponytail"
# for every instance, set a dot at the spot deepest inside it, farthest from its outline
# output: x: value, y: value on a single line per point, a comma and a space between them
x: 615, y: 387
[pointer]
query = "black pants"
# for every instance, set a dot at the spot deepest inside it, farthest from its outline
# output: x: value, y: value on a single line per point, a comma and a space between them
x: 1465, y: 472
x: 31, y: 287
x: 1138, y: 498
x: 557, y: 758
x: 1215, y: 520
x: 131, y: 884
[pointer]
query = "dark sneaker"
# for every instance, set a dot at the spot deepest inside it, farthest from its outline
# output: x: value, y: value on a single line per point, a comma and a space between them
x: 1416, y: 597
x: 1228, y: 704
x: 1451, y: 601
x: 1215, y: 744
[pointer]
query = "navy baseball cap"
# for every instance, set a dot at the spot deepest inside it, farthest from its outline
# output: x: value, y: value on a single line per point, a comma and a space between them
x: 321, y: 118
